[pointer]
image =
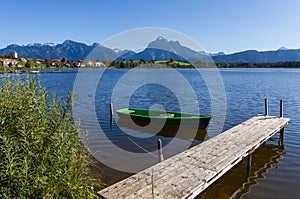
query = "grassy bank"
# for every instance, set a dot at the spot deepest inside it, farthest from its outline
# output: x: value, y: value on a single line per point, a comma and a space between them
x: 41, y: 153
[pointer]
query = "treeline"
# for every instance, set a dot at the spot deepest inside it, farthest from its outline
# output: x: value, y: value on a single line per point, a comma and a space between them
x: 124, y: 64
x: 176, y: 64
x: 290, y: 64
x: 149, y: 63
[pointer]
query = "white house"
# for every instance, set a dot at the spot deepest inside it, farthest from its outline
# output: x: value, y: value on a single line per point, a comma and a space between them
x: 6, y: 62
x: 23, y: 59
x: 92, y: 63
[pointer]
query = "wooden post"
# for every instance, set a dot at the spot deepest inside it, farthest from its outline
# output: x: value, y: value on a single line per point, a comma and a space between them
x: 281, y: 108
x: 111, y: 111
x: 266, y: 107
x: 281, y: 137
x: 249, y: 165
x: 282, y: 130
x: 160, y: 153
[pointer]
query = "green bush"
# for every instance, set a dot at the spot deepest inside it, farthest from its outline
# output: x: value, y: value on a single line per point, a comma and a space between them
x: 41, y: 155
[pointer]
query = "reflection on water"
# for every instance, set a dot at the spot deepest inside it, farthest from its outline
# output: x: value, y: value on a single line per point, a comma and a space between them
x: 238, y: 181
x: 170, y: 132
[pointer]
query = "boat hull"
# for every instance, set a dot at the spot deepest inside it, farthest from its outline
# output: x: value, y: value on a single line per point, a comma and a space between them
x: 170, y: 119
x: 186, y: 133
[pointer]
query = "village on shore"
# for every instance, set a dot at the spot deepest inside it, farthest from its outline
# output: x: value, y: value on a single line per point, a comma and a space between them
x: 12, y: 63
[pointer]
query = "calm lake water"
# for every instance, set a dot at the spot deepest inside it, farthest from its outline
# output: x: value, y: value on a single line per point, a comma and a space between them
x: 275, y: 171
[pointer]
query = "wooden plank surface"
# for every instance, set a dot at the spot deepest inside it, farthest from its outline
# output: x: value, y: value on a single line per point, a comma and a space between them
x: 187, y: 174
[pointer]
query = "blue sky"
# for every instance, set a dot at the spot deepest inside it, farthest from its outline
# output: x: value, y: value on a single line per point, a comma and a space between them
x: 217, y: 25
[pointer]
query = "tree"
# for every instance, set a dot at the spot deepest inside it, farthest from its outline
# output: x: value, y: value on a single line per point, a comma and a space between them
x: 122, y: 64
x: 47, y: 62
x: 27, y: 65
x: 171, y: 59
x: 10, y: 56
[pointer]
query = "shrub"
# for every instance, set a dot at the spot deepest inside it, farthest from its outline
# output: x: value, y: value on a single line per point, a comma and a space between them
x: 27, y: 65
x: 40, y: 149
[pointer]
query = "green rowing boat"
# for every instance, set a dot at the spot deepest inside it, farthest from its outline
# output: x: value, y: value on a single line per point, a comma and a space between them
x: 172, y: 119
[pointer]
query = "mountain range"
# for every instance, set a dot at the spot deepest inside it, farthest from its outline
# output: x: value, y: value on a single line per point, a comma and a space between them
x: 159, y: 49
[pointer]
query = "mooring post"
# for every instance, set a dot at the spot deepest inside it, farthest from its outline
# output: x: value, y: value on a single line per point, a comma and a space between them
x: 266, y: 107
x: 281, y: 108
x: 111, y: 111
x: 160, y: 152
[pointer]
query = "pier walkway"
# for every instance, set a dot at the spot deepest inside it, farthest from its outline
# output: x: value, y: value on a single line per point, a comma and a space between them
x: 187, y: 174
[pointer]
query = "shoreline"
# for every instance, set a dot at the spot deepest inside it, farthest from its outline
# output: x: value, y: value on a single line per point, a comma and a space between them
x: 75, y: 70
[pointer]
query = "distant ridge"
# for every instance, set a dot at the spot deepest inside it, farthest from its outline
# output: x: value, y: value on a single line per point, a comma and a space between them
x: 253, y: 56
x: 159, y: 49
x: 68, y: 49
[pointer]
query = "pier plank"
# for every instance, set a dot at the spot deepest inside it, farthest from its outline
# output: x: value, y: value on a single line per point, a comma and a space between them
x: 187, y: 174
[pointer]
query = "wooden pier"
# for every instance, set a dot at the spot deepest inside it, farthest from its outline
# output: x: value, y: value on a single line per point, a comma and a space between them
x: 187, y: 174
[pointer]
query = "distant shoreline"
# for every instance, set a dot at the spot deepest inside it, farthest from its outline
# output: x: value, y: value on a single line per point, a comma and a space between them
x: 75, y: 70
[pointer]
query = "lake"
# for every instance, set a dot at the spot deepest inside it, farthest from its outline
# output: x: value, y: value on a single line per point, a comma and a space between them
x: 275, y: 171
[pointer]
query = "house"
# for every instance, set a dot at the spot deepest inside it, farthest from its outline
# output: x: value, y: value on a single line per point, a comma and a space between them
x: 99, y: 64
x: 55, y: 62
x: 31, y: 59
x: 8, y: 62
x: 92, y: 63
x: 23, y: 59
x: 40, y: 61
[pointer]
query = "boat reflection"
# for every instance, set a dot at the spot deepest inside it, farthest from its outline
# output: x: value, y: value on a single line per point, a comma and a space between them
x: 238, y: 181
x: 185, y: 133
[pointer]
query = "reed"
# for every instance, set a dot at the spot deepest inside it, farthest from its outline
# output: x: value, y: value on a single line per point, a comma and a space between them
x: 41, y: 153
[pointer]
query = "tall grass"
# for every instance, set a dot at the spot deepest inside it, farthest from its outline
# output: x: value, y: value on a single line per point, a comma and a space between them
x: 41, y: 155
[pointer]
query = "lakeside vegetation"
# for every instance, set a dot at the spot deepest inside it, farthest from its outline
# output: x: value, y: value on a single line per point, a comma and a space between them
x: 41, y: 153
x: 149, y: 64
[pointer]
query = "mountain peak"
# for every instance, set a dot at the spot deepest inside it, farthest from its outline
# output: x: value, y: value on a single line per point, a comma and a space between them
x: 216, y: 54
x: 95, y: 44
x: 68, y: 41
x: 12, y: 46
x: 282, y: 48
x: 161, y: 38
x: 117, y: 50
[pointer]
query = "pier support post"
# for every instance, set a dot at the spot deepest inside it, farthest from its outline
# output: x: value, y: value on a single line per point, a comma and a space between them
x: 266, y: 107
x: 111, y: 111
x: 281, y: 137
x: 160, y: 152
x: 250, y: 152
x: 249, y: 165
x: 282, y: 130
